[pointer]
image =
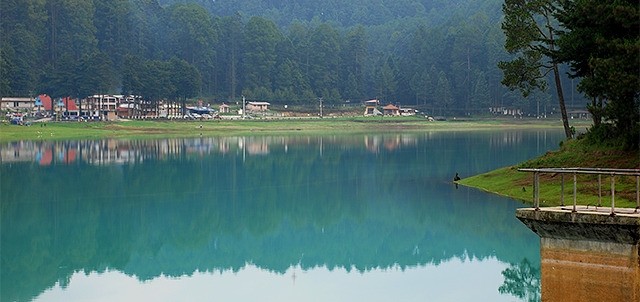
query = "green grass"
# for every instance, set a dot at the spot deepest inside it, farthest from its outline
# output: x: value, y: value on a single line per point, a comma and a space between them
x: 510, y: 182
x: 164, y: 128
x: 506, y: 181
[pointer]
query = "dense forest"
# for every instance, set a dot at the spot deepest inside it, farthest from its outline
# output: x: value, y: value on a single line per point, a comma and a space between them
x: 440, y: 56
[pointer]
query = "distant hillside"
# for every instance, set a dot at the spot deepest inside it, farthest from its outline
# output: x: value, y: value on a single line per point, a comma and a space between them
x: 350, y: 13
x: 439, y: 57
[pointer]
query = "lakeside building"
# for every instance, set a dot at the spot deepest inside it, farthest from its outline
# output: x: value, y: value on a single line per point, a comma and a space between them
x: 111, y: 107
x: 391, y: 110
x: 371, y: 108
x: 16, y: 104
x: 135, y: 107
x: 224, y: 108
x: 258, y: 106
x: 100, y: 106
x: 505, y: 111
x: 407, y: 111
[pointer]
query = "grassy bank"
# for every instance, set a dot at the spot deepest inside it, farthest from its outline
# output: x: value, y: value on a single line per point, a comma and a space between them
x: 506, y: 181
x: 576, y: 153
x: 165, y: 128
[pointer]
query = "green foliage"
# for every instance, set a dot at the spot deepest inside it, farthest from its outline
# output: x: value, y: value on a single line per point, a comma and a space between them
x: 185, y: 78
x: 22, y: 40
x: 115, y: 31
x: 323, y: 58
x: 94, y: 72
x: 572, y: 153
x: 523, y: 73
x: 602, y: 135
x: 481, y: 96
x: 529, y: 29
x: 318, y: 53
x: 262, y: 36
x: 522, y: 280
x: 443, y: 94
x: 354, y: 58
x: 601, y: 43
x: 6, y: 70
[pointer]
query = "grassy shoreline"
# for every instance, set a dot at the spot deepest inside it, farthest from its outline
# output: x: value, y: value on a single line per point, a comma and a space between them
x: 505, y: 181
x: 173, y: 128
x: 509, y: 182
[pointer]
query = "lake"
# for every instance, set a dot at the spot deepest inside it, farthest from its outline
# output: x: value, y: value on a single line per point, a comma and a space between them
x: 267, y: 218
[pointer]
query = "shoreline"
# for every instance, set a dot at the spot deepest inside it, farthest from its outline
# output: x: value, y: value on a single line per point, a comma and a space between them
x: 505, y: 181
x: 131, y: 129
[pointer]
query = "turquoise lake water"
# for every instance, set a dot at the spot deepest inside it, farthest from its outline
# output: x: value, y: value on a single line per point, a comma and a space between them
x: 283, y: 218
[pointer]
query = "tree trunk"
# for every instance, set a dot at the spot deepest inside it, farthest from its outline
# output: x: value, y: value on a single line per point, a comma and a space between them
x: 556, y: 75
x: 563, y: 109
x: 595, y: 108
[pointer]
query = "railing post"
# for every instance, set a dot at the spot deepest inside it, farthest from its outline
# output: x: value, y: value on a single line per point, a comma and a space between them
x: 562, y: 189
x: 536, y: 195
x: 575, y: 171
x: 613, y: 193
x: 637, y: 193
x: 575, y: 190
x: 599, y: 189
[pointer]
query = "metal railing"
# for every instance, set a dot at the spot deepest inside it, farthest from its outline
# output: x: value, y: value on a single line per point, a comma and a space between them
x: 612, y: 173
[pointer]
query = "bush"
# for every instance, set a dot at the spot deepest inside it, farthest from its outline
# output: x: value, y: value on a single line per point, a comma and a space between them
x: 608, y: 135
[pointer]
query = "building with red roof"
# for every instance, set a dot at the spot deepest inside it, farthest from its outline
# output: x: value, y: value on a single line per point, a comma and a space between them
x: 391, y: 110
x: 66, y: 105
x: 46, y: 101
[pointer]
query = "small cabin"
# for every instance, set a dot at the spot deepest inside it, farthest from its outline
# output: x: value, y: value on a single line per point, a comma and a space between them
x: 391, y: 110
x: 258, y: 106
x: 224, y: 108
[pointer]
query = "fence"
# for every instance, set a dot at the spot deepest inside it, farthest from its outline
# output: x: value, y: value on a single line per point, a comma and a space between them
x: 612, y: 173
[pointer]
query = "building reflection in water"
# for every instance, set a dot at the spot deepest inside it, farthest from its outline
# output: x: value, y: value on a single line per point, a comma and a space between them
x: 112, y: 151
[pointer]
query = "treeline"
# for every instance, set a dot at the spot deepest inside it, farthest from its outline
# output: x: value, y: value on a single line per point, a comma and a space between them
x: 431, y: 54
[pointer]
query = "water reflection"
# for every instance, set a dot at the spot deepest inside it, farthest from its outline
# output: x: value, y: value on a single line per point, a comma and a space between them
x: 180, y: 207
x: 522, y: 280
x: 251, y: 283
x: 113, y: 151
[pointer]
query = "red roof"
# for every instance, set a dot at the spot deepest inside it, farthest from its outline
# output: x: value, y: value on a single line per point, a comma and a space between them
x: 46, y: 101
x: 390, y: 107
x: 68, y: 102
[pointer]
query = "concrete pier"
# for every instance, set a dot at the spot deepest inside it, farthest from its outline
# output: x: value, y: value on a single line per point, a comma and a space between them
x: 587, y: 254
x: 586, y: 223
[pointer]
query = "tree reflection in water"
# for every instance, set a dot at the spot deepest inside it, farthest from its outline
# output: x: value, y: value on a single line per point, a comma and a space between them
x: 522, y: 280
x: 172, y: 207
